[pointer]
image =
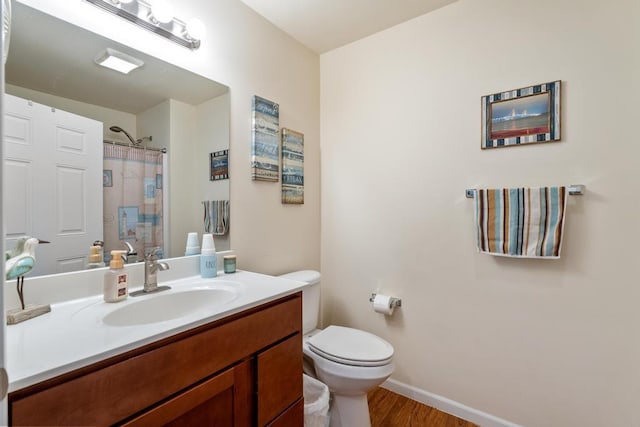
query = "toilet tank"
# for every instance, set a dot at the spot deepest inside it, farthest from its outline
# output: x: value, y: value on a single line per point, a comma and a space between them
x: 310, y: 297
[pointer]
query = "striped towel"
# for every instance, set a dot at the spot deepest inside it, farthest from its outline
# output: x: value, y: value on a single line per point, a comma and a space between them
x: 520, y: 222
x: 216, y: 217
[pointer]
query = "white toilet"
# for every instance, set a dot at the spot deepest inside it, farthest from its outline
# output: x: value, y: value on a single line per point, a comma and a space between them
x: 349, y: 361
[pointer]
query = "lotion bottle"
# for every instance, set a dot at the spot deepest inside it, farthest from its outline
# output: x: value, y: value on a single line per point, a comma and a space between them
x: 208, y: 258
x: 116, y: 280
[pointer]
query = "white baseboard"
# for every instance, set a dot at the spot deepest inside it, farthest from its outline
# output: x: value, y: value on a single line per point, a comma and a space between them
x: 446, y: 405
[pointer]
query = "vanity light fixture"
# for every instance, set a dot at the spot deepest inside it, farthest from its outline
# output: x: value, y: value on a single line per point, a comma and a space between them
x: 161, y: 12
x: 118, y: 61
x: 156, y: 16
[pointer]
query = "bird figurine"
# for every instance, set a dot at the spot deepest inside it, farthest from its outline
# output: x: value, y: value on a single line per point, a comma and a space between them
x: 20, y: 260
x: 17, y: 249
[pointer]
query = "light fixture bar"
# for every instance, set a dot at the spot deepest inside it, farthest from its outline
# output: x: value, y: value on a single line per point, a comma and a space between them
x: 140, y: 13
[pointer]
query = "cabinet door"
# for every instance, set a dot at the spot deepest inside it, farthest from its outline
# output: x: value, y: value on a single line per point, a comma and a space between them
x: 279, y: 378
x: 293, y: 416
x: 221, y: 401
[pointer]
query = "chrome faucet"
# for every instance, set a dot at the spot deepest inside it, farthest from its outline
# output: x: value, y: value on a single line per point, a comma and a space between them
x: 151, y: 267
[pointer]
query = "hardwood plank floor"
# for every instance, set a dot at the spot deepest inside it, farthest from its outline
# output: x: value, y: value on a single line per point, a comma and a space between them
x: 389, y: 409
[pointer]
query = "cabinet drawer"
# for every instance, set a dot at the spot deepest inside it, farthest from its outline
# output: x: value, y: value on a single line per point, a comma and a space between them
x: 108, y: 393
x: 209, y: 403
x: 218, y: 401
x: 279, y: 378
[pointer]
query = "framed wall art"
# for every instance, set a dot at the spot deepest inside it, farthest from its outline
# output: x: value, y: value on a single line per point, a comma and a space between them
x: 219, y: 165
x: 107, y: 178
x: 265, y: 154
x: 292, y: 167
x: 521, y: 116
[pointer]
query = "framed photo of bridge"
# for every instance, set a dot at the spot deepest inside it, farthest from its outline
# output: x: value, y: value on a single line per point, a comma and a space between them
x: 521, y: 116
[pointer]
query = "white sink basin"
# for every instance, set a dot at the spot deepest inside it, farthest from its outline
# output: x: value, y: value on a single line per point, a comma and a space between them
x: 169, y: 306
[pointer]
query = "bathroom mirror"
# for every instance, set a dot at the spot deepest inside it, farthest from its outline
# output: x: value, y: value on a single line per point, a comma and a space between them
x: 52, y: 62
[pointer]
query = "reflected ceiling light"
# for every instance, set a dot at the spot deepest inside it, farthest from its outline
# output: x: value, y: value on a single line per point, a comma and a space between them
x: 157, y: 17
x: 118, y: 61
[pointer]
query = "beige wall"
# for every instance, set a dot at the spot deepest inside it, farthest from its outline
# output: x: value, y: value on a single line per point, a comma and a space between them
x: 541, y: 343
x: 184, y: 213
x: 252, y: 57
x: 212, y: 135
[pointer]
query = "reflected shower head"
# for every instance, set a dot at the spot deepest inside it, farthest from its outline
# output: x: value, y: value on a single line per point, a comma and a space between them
x: 119, y: 129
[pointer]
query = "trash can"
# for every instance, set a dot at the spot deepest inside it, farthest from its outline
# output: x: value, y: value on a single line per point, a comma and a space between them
x: 316, y: 402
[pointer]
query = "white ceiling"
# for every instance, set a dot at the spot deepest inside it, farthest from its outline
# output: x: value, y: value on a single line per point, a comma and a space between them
x: 55, y: 57
x: 323, y: 25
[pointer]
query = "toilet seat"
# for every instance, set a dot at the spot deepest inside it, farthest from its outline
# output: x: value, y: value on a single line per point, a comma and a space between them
x: 350, y: 346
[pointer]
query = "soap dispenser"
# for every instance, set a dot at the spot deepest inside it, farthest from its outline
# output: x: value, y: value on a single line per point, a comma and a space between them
x: 116, y: 280
x: 95, y: 257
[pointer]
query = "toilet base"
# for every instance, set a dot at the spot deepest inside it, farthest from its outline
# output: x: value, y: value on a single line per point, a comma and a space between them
x: 349, y: 411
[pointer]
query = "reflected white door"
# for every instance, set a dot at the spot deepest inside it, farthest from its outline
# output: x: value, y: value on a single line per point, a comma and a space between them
x: 53, y: 189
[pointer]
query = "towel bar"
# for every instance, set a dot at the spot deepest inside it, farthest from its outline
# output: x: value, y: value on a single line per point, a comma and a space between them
x: 574, y: 190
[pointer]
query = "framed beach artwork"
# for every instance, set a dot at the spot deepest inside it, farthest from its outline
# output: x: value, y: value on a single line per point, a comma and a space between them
x: 521, y: 116
x: 292, y: 167
x: 219, y: 165
x: 265, y: 144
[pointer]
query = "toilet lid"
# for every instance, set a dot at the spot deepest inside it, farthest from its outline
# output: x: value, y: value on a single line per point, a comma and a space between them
x: 351, y: 346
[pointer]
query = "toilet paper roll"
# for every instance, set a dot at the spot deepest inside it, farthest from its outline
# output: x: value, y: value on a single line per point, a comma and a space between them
x: 382, y: 304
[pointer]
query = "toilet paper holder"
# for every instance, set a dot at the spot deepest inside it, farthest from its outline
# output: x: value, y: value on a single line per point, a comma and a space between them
x: 394, y: 303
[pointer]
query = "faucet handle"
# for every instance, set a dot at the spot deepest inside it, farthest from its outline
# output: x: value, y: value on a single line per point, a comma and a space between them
x: 153, y: 255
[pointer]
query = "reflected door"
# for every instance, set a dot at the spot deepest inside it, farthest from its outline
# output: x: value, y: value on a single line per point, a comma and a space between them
x: 53, y: 182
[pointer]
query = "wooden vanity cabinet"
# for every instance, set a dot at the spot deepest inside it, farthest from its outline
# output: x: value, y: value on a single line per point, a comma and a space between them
x: 244, y: 370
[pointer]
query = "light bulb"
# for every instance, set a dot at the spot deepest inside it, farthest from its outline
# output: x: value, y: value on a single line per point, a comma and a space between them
x: 196, y: 29
x: 162, y: 11
x: 125, y: 1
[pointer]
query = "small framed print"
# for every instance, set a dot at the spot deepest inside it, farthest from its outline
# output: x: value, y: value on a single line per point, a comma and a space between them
x: 527, y: 115
x: 107, y: 178
x: 219, y: 165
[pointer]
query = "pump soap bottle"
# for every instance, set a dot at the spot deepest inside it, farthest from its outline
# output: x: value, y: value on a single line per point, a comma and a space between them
x: 116, y: 280
x: 208, y: 258
x: 95, y: 257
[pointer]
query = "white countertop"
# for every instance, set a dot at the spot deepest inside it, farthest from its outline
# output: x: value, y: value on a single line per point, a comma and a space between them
x: 73, y: 334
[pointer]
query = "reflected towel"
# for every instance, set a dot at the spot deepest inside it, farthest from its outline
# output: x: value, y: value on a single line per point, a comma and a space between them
x: 520, y: 222
x: 216, y: 217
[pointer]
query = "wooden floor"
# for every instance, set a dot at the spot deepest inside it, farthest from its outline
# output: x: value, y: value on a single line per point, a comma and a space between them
x: 388, y: 409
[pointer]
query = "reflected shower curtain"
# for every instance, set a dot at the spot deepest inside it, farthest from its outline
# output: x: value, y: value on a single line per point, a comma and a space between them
x: 132, y: 184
